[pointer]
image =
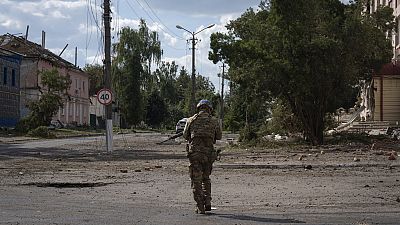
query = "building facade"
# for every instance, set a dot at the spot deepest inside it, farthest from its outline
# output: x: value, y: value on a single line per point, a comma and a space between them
x: 395, y: 5
x: 9, y: 88
x: 37, y: 59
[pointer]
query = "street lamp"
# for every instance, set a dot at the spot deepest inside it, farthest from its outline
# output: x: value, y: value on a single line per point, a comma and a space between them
x: 193, y: 91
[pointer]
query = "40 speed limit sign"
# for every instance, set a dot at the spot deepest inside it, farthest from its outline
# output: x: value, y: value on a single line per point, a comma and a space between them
x: 104, y: 96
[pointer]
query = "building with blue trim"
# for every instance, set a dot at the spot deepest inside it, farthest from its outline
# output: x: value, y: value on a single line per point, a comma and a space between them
x: 9, y: 87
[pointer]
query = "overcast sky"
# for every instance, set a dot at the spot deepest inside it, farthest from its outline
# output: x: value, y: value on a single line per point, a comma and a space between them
x: 78, y: 23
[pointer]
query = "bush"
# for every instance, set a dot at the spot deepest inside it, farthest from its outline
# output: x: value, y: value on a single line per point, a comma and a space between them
x: 283, y: 120
x: 41, y: 131
x: 247, y: 134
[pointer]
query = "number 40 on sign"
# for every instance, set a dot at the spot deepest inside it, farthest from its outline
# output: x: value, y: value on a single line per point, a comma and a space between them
x: 104, y: 96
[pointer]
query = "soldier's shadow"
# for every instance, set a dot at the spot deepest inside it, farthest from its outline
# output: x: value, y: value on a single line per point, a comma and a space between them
x: 254, y: 218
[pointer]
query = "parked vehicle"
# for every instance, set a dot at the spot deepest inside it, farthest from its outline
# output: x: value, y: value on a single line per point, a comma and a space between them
x: 180, y: 126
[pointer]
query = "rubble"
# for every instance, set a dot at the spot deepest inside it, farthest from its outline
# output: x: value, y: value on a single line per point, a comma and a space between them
x: 396, y: 134
x: 392, y: 156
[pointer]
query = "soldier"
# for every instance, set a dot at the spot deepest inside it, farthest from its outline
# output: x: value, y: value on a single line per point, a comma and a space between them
x: 201, y: 131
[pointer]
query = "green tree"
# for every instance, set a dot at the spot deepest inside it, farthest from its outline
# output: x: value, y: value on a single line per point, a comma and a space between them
x: 157, y: 110
x: 305, y: 52
x: 128, y: 75
x: 55, y: 87
x: 96, y: 75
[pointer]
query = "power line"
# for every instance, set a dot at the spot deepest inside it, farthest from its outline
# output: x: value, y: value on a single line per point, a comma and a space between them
x: 151, y: 9
x: 157, y: 24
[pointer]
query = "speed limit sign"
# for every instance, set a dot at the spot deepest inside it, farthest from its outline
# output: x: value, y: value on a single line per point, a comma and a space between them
x: 104, y: 96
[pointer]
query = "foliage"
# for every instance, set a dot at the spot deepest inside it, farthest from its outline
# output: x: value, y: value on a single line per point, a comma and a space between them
x: 96, y: 75
x: 282, y: 120
x: 42, y: 110
x: 133, y: 81
x: 42, y: 132
x: 156, y: 110
x: 304, y: 52
x: 128, y: 75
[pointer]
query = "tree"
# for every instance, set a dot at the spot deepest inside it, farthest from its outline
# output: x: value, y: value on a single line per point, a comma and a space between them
x: 55, y: 87
x: 156, y: 110
x: 132, y: 78
x: 305, y: 52
x: 96, y: 75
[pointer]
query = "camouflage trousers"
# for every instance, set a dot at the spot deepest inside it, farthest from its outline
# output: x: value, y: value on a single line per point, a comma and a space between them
x: 200, y: 170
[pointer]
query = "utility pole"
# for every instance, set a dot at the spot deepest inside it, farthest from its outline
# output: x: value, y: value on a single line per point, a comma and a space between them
x: 107, y: 73
x: 222, y: 95
x: 193, y: 93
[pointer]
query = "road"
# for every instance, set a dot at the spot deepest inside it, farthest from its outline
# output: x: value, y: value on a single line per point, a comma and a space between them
x: 74, y: 181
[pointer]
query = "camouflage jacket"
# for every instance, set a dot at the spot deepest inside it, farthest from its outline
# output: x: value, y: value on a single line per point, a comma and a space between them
x: 202, y: 130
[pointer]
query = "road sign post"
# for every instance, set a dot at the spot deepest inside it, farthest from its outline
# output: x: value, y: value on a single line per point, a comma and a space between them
x: 104, y: 96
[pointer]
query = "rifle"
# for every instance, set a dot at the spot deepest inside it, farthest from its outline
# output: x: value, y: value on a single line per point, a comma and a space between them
x: 172, y: 137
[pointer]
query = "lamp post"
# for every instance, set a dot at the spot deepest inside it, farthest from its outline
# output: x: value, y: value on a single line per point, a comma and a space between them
x: 193, y: 91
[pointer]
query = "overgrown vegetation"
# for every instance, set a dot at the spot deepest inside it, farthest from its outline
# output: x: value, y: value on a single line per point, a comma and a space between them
x: 54, y: 91
x: 307, y: 54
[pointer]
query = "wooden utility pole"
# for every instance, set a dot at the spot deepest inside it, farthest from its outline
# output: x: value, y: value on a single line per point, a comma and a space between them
x: 107, y: 73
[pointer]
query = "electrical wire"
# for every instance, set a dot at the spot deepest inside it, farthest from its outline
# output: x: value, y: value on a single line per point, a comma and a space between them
x: 151, y: 9
x: 157, y: 24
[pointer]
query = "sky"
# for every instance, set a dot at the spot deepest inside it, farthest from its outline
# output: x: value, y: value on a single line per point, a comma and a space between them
x: 78, y: 23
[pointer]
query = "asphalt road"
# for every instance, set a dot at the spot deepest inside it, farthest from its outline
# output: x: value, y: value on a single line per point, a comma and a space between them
x: 72, y: 181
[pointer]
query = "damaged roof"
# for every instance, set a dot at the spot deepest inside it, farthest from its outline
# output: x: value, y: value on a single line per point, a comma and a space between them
x: 32, y: 50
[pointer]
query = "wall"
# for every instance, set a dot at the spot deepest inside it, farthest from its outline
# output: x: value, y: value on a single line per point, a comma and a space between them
x: 76, y: 108
x: 391, y: 98
x: 9, y: 91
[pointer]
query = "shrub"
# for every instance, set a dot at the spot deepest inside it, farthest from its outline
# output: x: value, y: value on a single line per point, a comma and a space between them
x: 41, y: 131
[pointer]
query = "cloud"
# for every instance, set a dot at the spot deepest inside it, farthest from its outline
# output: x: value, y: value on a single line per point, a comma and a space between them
x: 203, y: 8
x: 9, y: 22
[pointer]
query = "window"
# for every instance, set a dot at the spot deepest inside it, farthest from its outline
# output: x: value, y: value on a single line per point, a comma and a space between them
x: 13, y: 77
x: 83, y: 85
x: 5, y: 76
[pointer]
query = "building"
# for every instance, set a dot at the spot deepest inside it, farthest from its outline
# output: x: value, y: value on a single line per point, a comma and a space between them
x: 9, y: 87
x: 386, y: 86
x: 37, y: 59
x: 97, y: 114
x: 381, y: 96
x: 395, y: 5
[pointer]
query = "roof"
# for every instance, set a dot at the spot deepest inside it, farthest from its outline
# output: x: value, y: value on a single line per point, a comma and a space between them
x: 10, y: 55
x: 389, y: 69
x: 32, y: 50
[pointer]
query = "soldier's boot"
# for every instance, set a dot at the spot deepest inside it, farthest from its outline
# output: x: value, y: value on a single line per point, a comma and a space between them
x: 207, y: 204
x: 199, y: 198
x: 207, y: 194
x: 200, y: 209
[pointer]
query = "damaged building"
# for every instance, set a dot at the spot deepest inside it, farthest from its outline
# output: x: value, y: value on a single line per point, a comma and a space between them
x: 35, y: 59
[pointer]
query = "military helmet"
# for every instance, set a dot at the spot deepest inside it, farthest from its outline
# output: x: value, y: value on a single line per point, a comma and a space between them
x: 204, y: 102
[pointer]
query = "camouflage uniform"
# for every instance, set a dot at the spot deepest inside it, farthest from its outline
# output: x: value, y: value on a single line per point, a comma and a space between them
x: 202, y: 130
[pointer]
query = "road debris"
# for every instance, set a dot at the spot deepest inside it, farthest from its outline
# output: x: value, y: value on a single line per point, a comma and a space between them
x: 392, y: 157
x: 308, y: 167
